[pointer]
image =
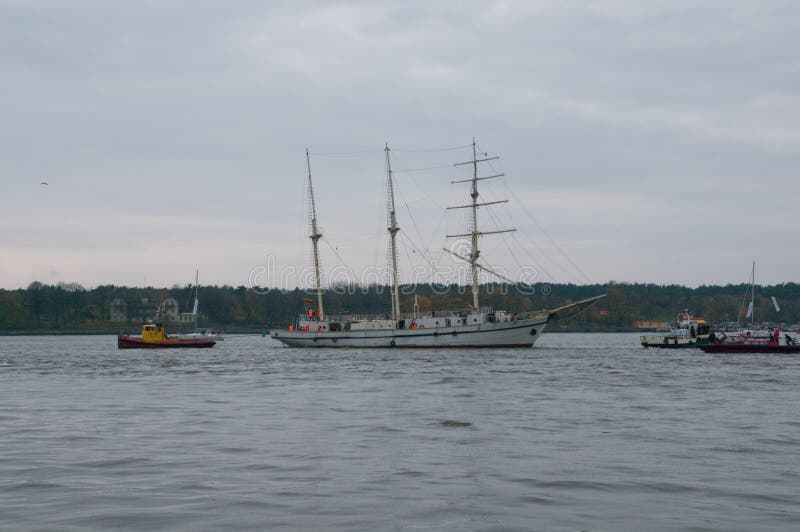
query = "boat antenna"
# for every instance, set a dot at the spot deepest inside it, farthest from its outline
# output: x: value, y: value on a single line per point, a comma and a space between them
x: 315, y: 236
x: 474, y: 234
x: 393, y: 229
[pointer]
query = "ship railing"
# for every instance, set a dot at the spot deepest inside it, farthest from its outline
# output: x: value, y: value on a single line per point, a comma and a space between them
x: 357, y: 317
x: 344, y: 318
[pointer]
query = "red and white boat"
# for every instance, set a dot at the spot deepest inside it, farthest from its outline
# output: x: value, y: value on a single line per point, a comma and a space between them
x: 754, y: 340
x: 749, y: 342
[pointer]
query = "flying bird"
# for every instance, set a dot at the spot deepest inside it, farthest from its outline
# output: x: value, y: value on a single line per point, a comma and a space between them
x: 45, y: 183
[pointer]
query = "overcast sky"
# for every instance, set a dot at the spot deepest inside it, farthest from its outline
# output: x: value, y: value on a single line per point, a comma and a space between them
x: 652, y: 141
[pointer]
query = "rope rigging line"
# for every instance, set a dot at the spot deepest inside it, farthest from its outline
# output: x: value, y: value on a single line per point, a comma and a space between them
x: 422, y: 169
x: 424, y: 253
x: 543, y: 255
x: 413, y: 220
x: 335, y: 252
x: 550, y: 238
x: 537, y: 264
x: 345, y: 155
x: 364, y: 153
x: 434, y: 150
x: 301, y: 248
x: 425, y: 194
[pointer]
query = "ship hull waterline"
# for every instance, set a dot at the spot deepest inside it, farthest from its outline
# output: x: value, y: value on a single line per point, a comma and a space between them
x: 674, y: 345
x: 521, y: 333
x: 751, y: 349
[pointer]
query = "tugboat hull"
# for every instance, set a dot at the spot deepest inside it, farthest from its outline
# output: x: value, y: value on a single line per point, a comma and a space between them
x: 132, y: 342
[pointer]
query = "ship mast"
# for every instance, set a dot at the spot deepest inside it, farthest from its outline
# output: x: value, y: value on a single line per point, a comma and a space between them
x: 474, y: 251
x: 474, y: 234
x: 315, y: 236
x: 393, y: 229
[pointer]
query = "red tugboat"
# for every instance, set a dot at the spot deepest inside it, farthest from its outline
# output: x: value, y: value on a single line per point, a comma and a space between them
x: 750, y: 343
x: 154, y: 336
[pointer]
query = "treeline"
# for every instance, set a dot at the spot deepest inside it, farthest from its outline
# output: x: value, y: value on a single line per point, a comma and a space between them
x: 71, y: 307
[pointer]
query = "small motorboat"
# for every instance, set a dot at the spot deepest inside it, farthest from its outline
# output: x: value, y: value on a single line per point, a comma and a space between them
x: 690, y: 332
x: 155, y: 336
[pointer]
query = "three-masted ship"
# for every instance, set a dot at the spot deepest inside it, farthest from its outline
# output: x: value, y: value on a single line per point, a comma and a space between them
x: 474, y: 327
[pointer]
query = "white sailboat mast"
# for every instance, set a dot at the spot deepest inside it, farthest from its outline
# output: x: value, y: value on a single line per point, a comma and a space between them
x: 393, y: 229
x: 750, y: 310
x: 315, y: 236
x: 753, y: 294
x: 196, y: 299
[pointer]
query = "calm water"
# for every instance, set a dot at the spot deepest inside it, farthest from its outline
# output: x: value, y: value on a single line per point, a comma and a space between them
x: 583, y: 432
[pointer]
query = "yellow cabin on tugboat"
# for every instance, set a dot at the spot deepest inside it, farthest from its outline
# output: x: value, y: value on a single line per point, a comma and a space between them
x: 154, y: 332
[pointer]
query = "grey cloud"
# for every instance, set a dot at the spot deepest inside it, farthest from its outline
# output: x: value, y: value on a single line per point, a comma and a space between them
x: 166, y: 113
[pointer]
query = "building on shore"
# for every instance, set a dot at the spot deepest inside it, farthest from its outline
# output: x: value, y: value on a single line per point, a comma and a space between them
x: 652, y: 325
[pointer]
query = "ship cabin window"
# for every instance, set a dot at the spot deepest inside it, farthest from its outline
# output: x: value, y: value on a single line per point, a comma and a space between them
x: 475, y: 320
x: 447, y: 322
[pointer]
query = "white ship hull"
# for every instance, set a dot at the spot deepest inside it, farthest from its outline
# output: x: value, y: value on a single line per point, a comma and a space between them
x: 519, y: 333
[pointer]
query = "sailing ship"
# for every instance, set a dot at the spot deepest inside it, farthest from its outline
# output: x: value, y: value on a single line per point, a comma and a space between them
x: 475, y: 326
x: 690, y: 332
x: 755, y: 339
